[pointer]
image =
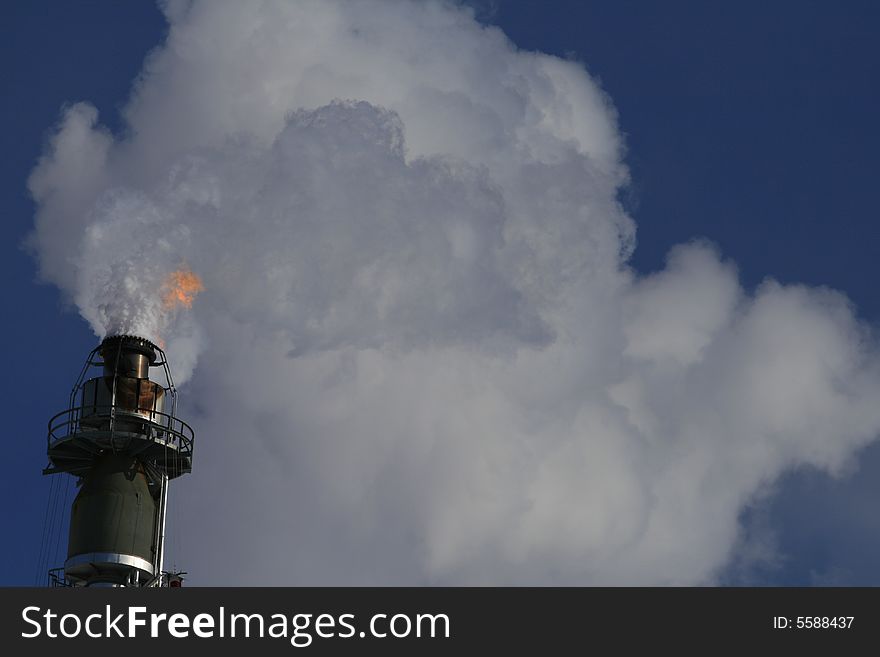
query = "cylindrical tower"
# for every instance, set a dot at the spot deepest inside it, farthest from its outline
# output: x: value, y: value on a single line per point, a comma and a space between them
x: 121, y: 439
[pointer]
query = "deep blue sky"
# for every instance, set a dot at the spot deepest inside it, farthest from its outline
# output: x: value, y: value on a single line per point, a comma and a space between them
x: 749, y: 123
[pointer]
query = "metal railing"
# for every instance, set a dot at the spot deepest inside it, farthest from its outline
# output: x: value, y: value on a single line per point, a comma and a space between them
x: 57, y: 580
x: 161, y: 428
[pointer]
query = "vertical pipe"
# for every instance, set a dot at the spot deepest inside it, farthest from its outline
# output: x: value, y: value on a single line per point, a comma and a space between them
x: 160, y: 540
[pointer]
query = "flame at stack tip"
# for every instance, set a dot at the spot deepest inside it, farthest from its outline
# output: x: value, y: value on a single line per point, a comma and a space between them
x: 145, y: 311
x: 180, y: 289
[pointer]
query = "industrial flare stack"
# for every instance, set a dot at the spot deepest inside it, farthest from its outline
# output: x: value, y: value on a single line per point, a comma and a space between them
x: 121, y: 438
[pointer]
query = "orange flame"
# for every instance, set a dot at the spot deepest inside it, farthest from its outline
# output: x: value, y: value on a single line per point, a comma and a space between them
x: 180, y: 289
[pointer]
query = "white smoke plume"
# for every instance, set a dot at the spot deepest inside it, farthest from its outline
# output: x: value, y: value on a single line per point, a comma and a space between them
x: 420, y: 355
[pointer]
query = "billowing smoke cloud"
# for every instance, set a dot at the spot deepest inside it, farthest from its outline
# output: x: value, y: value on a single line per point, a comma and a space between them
x: 420, y: 356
